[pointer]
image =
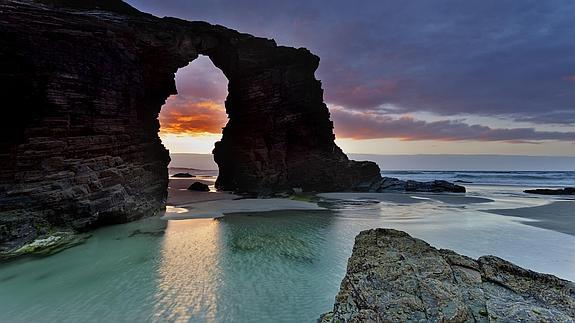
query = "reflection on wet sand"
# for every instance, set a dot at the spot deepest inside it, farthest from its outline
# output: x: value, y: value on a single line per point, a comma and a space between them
x: 189, y: 271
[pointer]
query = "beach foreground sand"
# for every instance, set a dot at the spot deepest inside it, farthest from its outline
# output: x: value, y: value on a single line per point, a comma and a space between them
x: 184, y: 204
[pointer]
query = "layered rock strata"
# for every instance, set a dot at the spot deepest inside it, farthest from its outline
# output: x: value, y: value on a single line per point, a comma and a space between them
x: 83, y: 83
x: 392, y: 277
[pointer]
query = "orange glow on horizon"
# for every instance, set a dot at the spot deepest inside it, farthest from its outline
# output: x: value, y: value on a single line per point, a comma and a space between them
x: 194, y: 118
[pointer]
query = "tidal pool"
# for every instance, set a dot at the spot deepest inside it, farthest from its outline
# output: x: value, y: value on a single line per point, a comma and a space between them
x: 260, y: 267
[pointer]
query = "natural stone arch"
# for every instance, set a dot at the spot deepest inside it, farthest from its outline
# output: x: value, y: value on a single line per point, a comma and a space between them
x: 92, y: 77
x: 279, y: 135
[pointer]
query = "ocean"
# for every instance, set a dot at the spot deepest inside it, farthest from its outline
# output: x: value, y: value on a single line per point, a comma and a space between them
x: 527, y: 179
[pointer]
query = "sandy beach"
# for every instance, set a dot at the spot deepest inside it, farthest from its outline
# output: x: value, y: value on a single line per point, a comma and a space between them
x: 185, y: 204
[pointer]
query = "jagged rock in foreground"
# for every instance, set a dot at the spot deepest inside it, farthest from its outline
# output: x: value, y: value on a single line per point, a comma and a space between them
x: 392, y: 184
x: 546, y: 191
x: 82, y: 86
x: 392, y: 277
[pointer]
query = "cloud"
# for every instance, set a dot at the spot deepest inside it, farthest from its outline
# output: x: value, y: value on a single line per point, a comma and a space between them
x: 363, y: 95
x: 181, y: 115
x: 367, y: 125
x: 570, y: 78
x: 202, y: 80
x: 488, y: 58
x: 198, y: 108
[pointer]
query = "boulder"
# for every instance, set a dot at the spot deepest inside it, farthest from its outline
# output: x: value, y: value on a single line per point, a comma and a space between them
x: 393, y: 277
x: 200, y: 187
x: 183, y: 175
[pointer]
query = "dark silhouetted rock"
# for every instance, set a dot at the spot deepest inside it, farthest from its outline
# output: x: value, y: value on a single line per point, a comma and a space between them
x: 84, y: 82
x: 392, y: 277
x: 391, y: 184
x: 198, y: 186
x: 545, y: 191
x: 183, y: 175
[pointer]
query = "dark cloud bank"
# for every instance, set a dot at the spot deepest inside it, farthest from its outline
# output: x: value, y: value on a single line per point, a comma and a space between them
x: 505, y: 59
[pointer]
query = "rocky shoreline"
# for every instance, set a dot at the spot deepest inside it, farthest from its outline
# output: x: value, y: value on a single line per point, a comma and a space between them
x: 546, y: 191
x: 392, y: 184
x: 393, y: 277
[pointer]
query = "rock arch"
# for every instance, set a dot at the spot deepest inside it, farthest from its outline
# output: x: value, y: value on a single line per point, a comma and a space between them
x: 85, y: 81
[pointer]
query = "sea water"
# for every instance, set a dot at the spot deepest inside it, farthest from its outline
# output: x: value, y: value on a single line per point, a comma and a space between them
x: 259, y: 267
x: 526, y: 179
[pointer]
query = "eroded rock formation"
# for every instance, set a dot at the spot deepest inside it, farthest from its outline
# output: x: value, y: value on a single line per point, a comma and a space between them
x: 83, y: 83
x: 392, y: 277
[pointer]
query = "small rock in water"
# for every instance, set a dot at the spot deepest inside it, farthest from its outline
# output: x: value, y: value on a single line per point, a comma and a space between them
x: 546, y: 191
x: 185, y: 175
x: 201, y: 187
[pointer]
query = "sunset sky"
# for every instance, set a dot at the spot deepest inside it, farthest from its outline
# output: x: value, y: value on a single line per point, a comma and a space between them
x: 449, y: 77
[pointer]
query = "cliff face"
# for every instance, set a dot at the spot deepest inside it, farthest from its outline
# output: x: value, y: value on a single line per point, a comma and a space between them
x: 83, y: 84
x: 392, y: 277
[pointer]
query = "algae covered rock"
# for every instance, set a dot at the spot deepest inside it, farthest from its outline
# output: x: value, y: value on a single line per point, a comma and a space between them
x: 47, y: 245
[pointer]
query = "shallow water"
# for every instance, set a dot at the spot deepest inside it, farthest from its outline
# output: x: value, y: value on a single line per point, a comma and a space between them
x: 266, y: 267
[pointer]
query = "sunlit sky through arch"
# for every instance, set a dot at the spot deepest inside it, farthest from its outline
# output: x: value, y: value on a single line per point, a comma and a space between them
x: 192, y: 120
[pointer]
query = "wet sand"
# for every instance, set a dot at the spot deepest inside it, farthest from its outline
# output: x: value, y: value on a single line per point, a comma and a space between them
x: 178, y: 195
x: 406, y: 198
x: 558, y: 216
x: 183, y: 204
